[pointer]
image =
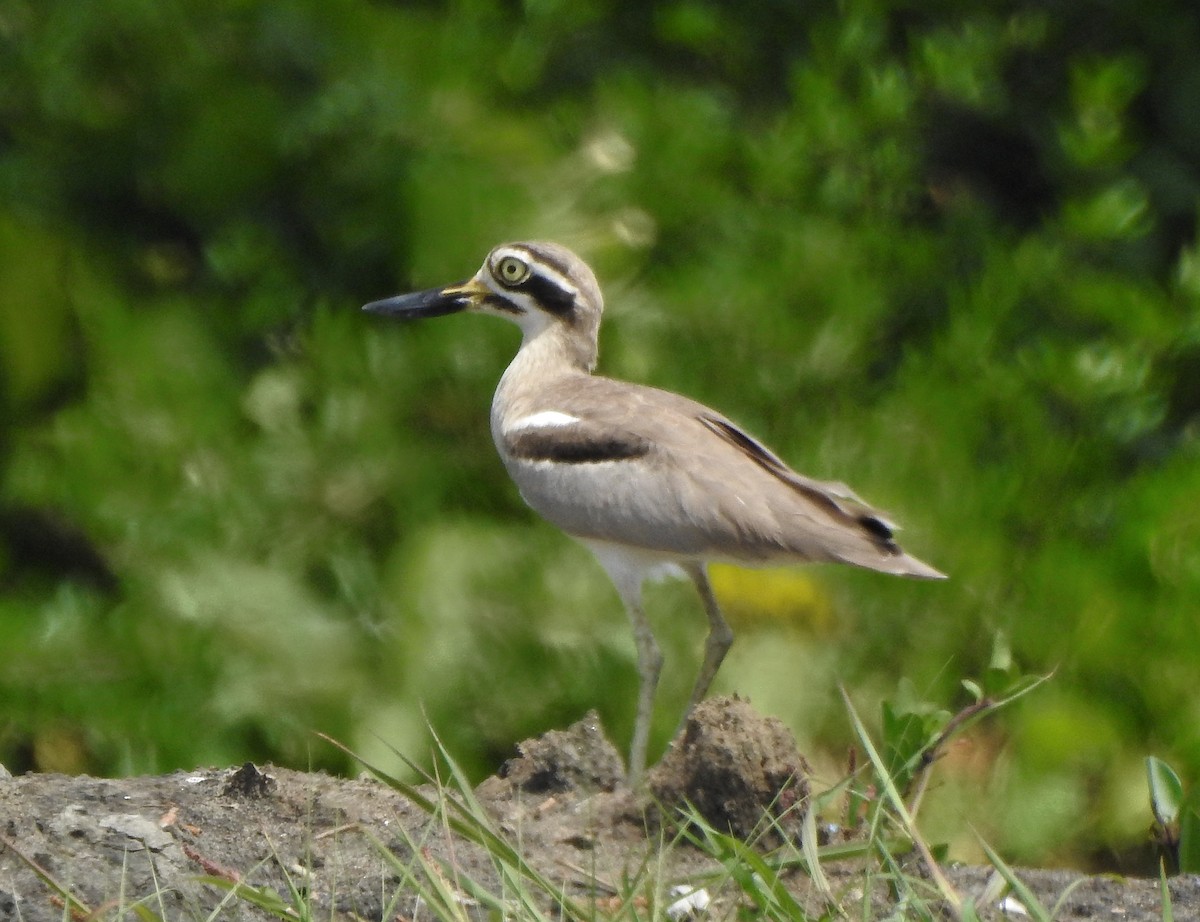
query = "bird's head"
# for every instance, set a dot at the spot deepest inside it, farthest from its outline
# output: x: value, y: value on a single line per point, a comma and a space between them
x: 536, y: 285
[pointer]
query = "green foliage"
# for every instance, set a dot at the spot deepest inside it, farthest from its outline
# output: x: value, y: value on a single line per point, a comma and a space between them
x: 945, y: 254
x: 455, y: 805
x: 762, y: 885
x: 1176, y: 816
x: 1168, y: 912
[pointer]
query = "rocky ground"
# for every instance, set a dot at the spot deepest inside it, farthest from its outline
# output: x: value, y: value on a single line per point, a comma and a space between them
x: 357, y: 849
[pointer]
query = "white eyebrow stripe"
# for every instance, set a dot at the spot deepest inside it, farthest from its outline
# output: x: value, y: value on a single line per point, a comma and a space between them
x: 560, y: 280
x: 543, y: 419
x: 538, y: 267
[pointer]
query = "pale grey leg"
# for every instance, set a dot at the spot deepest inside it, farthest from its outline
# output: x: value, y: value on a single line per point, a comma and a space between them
x: 720, y: 638
x: 627, y: 573
x: 649, y: 666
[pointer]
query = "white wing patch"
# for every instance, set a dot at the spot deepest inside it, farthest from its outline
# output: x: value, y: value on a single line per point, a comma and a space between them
x: 543, y: 419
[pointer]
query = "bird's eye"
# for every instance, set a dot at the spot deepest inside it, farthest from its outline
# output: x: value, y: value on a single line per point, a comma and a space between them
x: 512, y: 271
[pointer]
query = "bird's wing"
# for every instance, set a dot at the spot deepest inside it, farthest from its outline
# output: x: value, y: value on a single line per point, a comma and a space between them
x: 651, y: 468
x: 835, y: 498
x: 695, y: 481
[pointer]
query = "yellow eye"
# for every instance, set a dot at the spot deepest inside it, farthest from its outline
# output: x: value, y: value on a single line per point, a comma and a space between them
x: 512, y: 271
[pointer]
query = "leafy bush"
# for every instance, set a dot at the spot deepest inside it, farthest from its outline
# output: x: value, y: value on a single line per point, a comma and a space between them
x: 945, y: 253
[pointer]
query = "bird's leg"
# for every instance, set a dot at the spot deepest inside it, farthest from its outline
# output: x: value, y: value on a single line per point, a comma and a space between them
x: 720, y: 639
x: 649, y: 666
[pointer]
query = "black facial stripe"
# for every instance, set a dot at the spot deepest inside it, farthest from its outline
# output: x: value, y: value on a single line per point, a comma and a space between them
x: 502, y: 303
x: 548, y: 294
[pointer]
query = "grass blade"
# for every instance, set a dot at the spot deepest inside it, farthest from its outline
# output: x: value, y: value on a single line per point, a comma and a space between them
x: 467, y: 818
x: 906, y: 820
x: 1033, y: 906
x: 1168, y: 913
x: 754, y: 877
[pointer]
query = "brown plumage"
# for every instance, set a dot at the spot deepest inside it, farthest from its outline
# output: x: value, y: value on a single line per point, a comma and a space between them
x: 645, y: 478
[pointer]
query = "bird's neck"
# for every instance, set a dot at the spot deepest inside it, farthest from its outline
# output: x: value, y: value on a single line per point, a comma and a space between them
x: 553, y: 350
x: 546, y: 355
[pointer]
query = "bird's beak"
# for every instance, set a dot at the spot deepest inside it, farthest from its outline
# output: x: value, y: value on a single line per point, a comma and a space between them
x: 432, y: 303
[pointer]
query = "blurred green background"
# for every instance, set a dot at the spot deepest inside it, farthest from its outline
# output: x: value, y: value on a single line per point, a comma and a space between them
x: 945, y: 252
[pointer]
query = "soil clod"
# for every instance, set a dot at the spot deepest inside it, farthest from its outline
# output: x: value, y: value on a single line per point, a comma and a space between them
x: 739, y: 770
x: 579, y: 758
x: 249, y: 783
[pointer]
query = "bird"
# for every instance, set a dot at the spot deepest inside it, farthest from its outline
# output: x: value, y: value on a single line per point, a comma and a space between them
x: 652, y: 482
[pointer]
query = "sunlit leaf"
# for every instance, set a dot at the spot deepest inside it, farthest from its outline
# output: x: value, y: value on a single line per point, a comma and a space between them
x: 1166, y: 791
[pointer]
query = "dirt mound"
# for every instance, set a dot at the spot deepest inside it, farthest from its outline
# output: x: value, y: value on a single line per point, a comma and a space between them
x: 579, y: 758
x: 740, y: 771
x: 356, y: 849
